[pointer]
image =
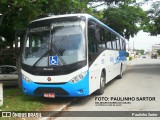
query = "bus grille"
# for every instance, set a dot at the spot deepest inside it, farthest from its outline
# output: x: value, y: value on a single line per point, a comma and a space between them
x: 51, y: 83
x: 57, y: 91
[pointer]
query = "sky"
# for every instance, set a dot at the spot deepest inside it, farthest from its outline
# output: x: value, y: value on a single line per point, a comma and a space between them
x: 143, y: 41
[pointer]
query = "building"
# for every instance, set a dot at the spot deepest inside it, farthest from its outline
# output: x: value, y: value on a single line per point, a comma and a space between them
x: 155, y: 48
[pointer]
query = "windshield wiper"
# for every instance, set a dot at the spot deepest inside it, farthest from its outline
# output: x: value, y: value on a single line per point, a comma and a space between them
x: 40, y: 58
x: 47, y: 52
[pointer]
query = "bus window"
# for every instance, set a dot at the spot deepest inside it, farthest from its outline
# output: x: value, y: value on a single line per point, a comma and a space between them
x: 114, y: 45
x: 102, y: 44
x: 36, y: 43
x: 108, y: 39
x: 124, y: 45
x: 91, y: 41
x: 102, y: 34
x: 109, y: 44
x: 118, y: 43
x: 92, y: 45
x: 121, y: 40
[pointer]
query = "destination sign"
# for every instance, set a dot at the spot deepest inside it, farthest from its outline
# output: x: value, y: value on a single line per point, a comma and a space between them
x: 42, y: 28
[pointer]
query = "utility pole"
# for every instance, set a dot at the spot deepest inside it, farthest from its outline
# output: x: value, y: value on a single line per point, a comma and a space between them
x: 133, y: 46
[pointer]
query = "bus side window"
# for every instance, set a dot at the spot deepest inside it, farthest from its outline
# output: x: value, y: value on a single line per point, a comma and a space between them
x: 91, y: 41
x: 124, y: 45
x: 121, y: 42
x: 108, y: 39
x: 114, y: 44
x: 92, y: 45
x: 118, y: 43
x: 102, y: 43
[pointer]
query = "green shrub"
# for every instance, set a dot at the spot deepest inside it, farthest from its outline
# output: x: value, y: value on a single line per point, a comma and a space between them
x: 130, y: 58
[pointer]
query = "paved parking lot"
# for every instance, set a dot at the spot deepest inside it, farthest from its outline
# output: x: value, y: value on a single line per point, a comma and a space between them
x: 138, y: 90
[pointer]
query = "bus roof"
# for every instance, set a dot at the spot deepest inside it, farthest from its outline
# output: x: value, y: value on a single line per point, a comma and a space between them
x: 79, y: 14
x: 64, y: 15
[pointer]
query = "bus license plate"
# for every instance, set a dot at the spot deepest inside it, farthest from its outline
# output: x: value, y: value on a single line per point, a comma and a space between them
x: 49, y: 95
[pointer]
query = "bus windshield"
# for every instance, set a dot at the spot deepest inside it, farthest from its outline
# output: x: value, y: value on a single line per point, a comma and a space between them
x: 64, y: 41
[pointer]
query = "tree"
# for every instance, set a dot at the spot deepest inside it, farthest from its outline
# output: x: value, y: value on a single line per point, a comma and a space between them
x: 110, y: 3
x: 158, y: 51
x: 125, y: 19
x: 139, y: 52
x: 154, y: 14
x: 16, y: 14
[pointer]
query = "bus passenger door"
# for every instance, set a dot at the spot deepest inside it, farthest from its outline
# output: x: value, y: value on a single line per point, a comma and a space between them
x: 92, y: 57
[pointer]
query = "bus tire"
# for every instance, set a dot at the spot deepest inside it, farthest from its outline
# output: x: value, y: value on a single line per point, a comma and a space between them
x: 100, y: 91
x: 120, y: 74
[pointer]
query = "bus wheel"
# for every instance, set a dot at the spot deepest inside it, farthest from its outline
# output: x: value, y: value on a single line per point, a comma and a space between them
x: 100, y: 91
x: 120, y: 74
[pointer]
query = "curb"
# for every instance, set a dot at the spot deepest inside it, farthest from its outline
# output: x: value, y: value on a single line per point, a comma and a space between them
x: 57, y: 111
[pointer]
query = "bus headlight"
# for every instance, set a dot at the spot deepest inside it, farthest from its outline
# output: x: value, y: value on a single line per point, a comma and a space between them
x: 26, y: 78
x: 78, y: 77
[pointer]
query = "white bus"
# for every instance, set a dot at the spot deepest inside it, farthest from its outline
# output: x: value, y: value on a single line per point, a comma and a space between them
x: 71, y: 55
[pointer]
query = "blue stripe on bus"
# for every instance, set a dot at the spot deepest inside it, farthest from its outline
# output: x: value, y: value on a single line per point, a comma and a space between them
x: 122, y: 55
x: 120, y: 58
x: 74, y: 89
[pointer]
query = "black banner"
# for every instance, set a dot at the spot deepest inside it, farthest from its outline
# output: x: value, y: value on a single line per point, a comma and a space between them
x: 39, y: 114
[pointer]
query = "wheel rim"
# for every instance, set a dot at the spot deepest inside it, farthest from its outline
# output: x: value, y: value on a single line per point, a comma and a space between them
x: 102, y: 81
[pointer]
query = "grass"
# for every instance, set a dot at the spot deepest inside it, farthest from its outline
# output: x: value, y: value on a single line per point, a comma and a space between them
x: 130, y: 58
x: 15, y: 100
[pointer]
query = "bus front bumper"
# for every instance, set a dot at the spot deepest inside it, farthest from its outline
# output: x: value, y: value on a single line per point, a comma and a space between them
x: 69, y: 89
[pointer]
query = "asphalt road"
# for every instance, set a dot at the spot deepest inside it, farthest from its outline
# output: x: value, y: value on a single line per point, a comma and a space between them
x: 138, y: 90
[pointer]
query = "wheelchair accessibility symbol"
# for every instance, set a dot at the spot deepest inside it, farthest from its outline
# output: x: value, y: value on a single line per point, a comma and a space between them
x: 53, y: 60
